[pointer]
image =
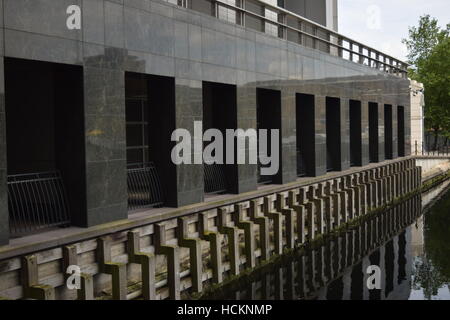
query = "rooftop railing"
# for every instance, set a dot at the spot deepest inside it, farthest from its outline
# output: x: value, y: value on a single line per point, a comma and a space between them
x: 276, y: 21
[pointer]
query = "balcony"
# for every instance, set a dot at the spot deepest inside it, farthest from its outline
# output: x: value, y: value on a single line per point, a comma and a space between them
x: 278, y: 22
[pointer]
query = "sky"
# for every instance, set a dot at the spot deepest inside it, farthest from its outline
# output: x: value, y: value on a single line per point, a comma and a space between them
x: 382, y: 24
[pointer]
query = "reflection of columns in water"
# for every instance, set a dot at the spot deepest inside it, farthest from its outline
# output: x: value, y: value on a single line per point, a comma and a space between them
x: 322, y: 294
x: 311, y: 271
x: 408, y: 257
x: 279, y: 284
x: 321, y: 278
x: 375, y: 260
x: 308, y: 274
x: 347, y: 285
x: 329, y: 274
x: 381, y: 264
x: 266, y: 287
x: 290, y: 281
x: 389, y: 268
x: 365, y: 265
x: 358, y: 241
x: 396, y: 256
x: 301, y: 276
x: 357, y: 282
x: 335, y: 290
x: 251, y: 291
x: 350, y: 247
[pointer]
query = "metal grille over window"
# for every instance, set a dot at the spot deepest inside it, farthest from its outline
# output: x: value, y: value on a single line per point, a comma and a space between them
x: 301, y: 170
x: 36, y: 201
x: 215, y: 178
x: 144, y: 186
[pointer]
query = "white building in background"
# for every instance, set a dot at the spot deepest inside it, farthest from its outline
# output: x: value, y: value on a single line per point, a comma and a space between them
x: 417, y: 116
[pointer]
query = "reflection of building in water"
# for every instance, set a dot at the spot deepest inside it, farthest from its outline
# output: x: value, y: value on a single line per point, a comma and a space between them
x: 417, y: 237
x: 337, y: 270
x: 394, y: 259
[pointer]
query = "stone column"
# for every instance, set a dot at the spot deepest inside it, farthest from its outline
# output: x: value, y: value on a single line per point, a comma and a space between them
x: 320, y: 136
x: 407, y: 122
x: 365, y: 265
x: 189, y: 108
x: 381, y: 133
x: 288, y: 137
x: 105, y: 138
x: 246, y: 119
x: 4, y: 215
x: 345, y: 134
x: 394, y: 132
x: 365, y: 155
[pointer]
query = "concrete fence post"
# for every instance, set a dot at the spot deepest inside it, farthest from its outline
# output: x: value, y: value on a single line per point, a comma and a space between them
x: 195, y: 253
x: 215, y: 247
x: 173, y: 260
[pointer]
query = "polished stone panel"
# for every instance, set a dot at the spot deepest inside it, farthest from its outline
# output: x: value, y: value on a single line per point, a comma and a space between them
x: 106, y: 184
x: 41, y: 17
x: 320, y: 135
x: 345, y: 134
x: 394, y: 132
x: 4, y: 216
x: 365, y: 156
x: 246, y: 119
x: 401, y: 131
x: 381, y: 133
x: 189, y: 108
x: 288, y: 136
x: 94, y: 21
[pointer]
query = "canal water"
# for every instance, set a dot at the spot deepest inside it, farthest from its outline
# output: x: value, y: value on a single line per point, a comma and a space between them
x: 400, y: 254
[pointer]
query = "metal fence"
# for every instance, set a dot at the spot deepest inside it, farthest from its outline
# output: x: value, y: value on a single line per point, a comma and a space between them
x: 276, y: 21
x: 144, y: 186
x: 441, y: 150
x: 431, y: 142
x: 215, y: 178
x: 301, y: 169
x: 263, y: 179
x: 36, y: 201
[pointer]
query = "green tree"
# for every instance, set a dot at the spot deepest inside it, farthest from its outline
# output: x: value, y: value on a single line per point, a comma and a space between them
x: 429, y: 54
x: 435, y: 74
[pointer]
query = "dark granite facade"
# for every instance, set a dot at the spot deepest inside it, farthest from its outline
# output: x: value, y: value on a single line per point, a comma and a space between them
x: 4, y: 217
x: 157, y: 38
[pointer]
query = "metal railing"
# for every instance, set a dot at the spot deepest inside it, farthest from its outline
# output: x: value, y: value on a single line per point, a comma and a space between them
x: 263, y: 179
x: 440, y: 151
x: 144, y: 186
x: 289, y: 26
x: 301, y: 168
x: 36, y: 201
x: 215, y: 178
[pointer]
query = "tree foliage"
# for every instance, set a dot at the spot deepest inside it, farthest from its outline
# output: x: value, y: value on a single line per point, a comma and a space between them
x: 429, y: 55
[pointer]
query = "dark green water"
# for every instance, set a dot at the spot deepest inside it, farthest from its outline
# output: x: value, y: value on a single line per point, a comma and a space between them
x: 410, y: 247
x: 431, y: 254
